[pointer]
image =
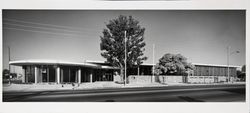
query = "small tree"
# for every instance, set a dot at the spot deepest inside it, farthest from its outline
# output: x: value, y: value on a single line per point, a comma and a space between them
x: 6, y: 73
x: 113, y: 42
x: 173, y: 64
x: 243, y: 69
x: 242, y: 74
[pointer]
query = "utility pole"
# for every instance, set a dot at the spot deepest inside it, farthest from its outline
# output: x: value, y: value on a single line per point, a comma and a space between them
x: 228, y: 61
x: 9, y: 63
x: 9, y: 56
x: 228, y: 54
x: 153, y: 63
x: 125, y: 60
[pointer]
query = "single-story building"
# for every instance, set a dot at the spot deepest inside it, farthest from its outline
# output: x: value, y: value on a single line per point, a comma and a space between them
x: 202, y: 73
x: 37, y: 71
x: 210, y: 73
x: 40, y: 71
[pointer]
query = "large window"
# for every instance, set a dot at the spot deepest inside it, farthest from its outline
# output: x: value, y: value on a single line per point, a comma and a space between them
x: 30, y: 74
x: 69, y: 74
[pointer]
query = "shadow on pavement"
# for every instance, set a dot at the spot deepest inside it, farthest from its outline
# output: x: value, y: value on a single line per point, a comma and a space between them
x: 188, y: 99
x: 110, y: 101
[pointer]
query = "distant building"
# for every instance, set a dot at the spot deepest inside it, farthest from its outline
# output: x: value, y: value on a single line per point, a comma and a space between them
x: 209, y: 73
x: 55, y: 71
x: 202, y: 73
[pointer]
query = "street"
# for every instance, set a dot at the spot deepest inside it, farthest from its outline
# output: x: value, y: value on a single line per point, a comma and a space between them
x: 193, y: 93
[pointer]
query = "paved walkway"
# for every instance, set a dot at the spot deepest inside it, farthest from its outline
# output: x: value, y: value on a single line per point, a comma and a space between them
x: 94, y: 85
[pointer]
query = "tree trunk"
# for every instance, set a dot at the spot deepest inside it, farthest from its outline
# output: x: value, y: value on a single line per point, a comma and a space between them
x: 122, y: 74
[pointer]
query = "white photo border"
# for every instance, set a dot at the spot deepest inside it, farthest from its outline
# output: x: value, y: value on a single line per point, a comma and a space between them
x: 129, y: 107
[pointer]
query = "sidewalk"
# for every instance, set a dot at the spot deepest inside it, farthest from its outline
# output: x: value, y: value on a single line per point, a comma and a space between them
x: 86, y: 86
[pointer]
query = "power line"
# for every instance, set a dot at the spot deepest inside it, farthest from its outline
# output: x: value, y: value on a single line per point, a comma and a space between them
x: 40, y: 31
x: 40, y: 27
x: 52, y: 33
x: 47, y: 25
x: 43, y: 24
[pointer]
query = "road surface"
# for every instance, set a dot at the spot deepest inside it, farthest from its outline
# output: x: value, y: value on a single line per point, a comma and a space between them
x: 195, y: 93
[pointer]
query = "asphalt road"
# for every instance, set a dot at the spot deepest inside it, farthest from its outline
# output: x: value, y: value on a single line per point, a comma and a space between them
x: 201, y: 93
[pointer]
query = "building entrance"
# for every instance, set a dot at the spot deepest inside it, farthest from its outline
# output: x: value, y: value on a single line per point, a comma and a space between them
x: 69, y: 75
x: 48, y: 74
x: 101, y: 75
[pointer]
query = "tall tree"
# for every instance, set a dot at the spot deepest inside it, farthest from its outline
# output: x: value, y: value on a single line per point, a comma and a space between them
x: 172, y: 64
x: 113, y: 42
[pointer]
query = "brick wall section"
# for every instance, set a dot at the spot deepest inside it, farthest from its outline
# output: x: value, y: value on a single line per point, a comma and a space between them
x: 159, y: 79
x: 207, y: 79
x: 170, y: 79
x: 176, y: 79
x: 201, y: 79
x: 140, y: 79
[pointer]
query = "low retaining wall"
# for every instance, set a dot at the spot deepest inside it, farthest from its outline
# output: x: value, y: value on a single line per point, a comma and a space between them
x: 140, y: 79
x: 157, y: 78
x: 170, y: 79
x: 117, y: 78
x: 222, y: 79
x: 201, y: 79
x: 177, y: 79
x: 207, y: 79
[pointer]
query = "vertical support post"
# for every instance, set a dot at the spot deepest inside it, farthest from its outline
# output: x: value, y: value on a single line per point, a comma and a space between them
x: 91, y: 76
x: 76, y: 76
x: 58, y: 74
x: 138, y: 70
x: 61, y: 75
x: 47, y: 72
x: 79, y: 75
x: 36, y: 75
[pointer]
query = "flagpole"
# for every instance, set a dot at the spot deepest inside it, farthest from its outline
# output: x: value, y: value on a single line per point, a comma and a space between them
x: 125, y: 60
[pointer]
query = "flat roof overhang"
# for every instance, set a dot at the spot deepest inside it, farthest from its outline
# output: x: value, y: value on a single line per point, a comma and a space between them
x: 59, y: 62
x: 215, y: 65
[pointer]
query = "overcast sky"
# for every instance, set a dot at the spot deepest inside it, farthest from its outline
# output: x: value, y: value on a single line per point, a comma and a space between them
x: 201, y: 36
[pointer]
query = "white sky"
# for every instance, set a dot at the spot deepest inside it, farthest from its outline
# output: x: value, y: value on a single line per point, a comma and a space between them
x: 201, y: 36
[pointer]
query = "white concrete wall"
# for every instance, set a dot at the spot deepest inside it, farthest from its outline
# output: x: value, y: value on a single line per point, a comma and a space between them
x: 140, y: 79
x: 117, y: 78
x: 174, y: 79
x: 157, y: 78
x: 201, y: 79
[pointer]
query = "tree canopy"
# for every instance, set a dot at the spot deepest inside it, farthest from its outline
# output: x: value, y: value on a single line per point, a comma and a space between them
x: 113, y: 42
x: 172, y: 64
x: 6, y: 72
x: 243, y: 68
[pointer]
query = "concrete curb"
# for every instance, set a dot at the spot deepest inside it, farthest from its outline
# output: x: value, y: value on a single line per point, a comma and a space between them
x: 58, y: 87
